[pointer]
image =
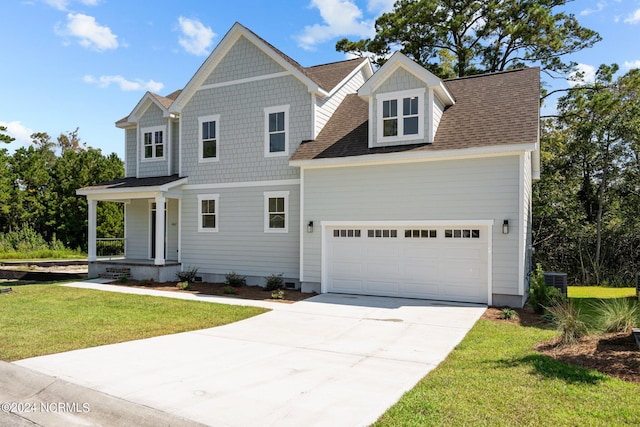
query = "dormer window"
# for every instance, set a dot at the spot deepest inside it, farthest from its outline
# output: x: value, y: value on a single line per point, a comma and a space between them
x: 401, y: 116
x: 153, y: 143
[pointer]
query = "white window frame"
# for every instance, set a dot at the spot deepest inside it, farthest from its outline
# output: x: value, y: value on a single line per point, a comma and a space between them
x: 399, y: 96
x: 165, y: 146
x: 216, y: 198
x: 201, y: 120
x: 273, y: 194
x: 270, y: 110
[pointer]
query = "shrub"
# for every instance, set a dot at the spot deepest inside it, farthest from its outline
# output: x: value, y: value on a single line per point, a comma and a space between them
x: 541, y: 295
x: 274, y: 282
x: 230, y: 290
x: 184, y: 285
x: 508, y: 313
x: 188, y: 275
x: 617, y: 314
x: 568, y: 323
x: 123, y: 279
x: 234, y: 279
x: 146, y: 282
x: 277, y: 294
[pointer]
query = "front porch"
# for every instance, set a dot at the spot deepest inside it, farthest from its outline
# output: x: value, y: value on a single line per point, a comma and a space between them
x: 150, y: 248
x: 137, y: 269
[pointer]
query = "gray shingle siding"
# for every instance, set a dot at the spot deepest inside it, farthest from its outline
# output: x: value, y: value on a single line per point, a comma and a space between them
x: 241, y: 130
x: 244, y: 60
x: 130, y: 141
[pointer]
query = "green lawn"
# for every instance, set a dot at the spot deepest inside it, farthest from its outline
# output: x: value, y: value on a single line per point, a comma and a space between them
x: 599, y: 292
x: 495, y: 378
x: 43, y: 319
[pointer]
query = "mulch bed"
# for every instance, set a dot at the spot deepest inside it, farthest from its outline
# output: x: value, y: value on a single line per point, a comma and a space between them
x: 614, y: 354
x: 220, y: 289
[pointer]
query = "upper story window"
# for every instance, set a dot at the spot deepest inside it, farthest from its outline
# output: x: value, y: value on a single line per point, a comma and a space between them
x: 276, y: 131
x: 153, y: 144
x: 401, y: 115
x: 208, y: 139
x: 276, y: 212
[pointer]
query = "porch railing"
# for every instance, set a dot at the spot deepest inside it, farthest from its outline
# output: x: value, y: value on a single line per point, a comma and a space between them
x: 110, y: 247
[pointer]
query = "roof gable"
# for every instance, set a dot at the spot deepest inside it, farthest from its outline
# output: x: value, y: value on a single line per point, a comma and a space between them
x: 148, y: 99
x: 227, y: 42
x: 397, y: 61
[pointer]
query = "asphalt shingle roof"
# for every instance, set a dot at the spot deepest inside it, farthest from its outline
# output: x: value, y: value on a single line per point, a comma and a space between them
x: 118, y: 184
x: 490, y: 110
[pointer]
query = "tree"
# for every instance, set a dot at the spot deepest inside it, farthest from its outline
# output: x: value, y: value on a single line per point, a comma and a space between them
x: 4, y: 137
x: 480, y: 35
x: 584, y: 205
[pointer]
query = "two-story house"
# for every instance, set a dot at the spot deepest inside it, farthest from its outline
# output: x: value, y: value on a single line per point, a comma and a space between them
x: 393, y: 183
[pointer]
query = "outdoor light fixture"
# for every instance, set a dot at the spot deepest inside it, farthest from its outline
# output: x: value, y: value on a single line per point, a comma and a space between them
x: 310, y: 227
x: 505, y: 227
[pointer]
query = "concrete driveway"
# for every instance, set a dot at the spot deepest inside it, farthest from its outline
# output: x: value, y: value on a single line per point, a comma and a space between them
x: 332, y: 360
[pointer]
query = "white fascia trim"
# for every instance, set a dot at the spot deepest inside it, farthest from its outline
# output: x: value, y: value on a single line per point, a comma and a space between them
x: 245, y: 184
x: 355, y: 71
x: 130, y: 193
x: 412, y: 157
x: 521, y: 228
x: 245, y: 80
x: 302, y: 227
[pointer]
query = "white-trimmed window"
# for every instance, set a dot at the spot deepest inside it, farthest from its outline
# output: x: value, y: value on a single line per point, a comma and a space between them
x: 401, y: 115
x: 153, y: 144
x: 208, y: 212
x: 208, y: 138
x: 276, y: 131
x: 276, y: 212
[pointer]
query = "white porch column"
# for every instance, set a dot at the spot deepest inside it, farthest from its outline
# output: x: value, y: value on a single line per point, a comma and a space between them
x: 91, y: 250
x: 160, y: 200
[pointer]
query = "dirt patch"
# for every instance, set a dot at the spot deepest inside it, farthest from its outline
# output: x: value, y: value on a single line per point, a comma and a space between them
x: 615, y: 354
x: 220, y: 289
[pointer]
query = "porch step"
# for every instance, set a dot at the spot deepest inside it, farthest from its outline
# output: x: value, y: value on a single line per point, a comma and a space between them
x: 116, y: 273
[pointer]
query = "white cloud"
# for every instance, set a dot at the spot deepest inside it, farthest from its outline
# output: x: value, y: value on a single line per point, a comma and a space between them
x: 124, y: 84
x: 633, y: 18
x: 631, y: 64
x: 20, y: 132
x: 89, y: 33
x: 63, y: 4
x: 341, y: 18
x: 380, y: 6
x: 588, y: 73
x: 196, y: 38
x: 601, y: 5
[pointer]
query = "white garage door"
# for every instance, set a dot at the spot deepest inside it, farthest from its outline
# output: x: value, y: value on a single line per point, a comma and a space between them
x: 443, y: 263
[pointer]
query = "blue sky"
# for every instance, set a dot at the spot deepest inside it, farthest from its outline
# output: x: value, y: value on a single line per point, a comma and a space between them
x: 85, y: 64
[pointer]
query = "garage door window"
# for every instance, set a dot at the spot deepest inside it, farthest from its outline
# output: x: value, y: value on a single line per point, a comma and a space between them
x: 382, y: 233
x: 420, y: 234
x: 462, y: 234
x: 347, y: 233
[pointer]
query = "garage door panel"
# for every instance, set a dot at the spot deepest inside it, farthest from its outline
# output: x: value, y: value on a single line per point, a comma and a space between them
x: 383, y: 287
x: 340, y: 268
x: 417, y: 289
x: 382, y: 250
x: 409, y: 265
x: 348, y: 286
